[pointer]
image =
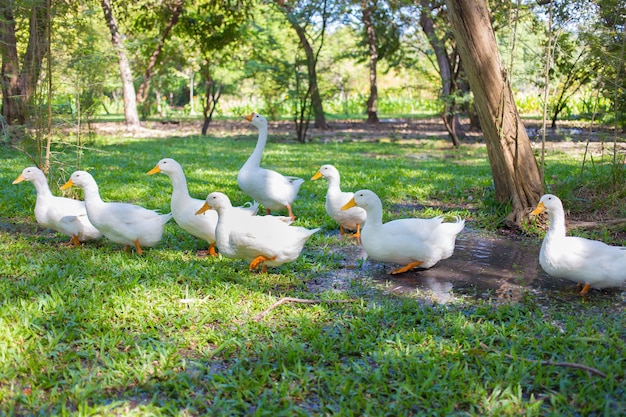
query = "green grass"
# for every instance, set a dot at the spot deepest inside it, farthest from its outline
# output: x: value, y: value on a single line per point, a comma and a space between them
x: 99, y: 331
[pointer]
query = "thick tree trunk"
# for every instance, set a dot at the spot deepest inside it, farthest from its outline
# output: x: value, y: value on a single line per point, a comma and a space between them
x: 19, y: 86
x: 372, y: 101
x: 450, y: 115
x: 128, y: 88
x: 515, y: 172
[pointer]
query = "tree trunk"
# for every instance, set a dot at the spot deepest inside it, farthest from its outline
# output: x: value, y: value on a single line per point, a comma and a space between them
x: 311, y: 63
x: 128, y: 88
x: 372, y: 101
x: 142, y: 92
x: 19, y: 86
x: 450, y: 115
x: 515, y: 172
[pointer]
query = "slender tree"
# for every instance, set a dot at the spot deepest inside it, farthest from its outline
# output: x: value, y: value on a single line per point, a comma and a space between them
x: 515, y: 172
x: 301, y: 17
x: 128, y: 87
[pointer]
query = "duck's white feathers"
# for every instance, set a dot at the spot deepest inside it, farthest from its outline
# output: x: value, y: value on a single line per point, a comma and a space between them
x: 247, y: 237
x: 65, y: 215
x: 405, y: 241
x: 184, y: 207
x: 121, y: 223
x: 581, y: 260
x: 270, y: 188
x: 336, y: 198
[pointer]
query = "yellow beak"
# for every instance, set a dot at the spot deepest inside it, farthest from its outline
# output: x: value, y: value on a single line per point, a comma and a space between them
x: 68, y: 184
x: 204, y: 208
x: 349, y: 204
x: 249, y: 117
x: 316, y: 176
x: 154, y: 170
x: 540, y: 209
x: 19, y: 179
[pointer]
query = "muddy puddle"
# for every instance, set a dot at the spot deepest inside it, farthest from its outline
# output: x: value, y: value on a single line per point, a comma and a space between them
x: 484, y: 266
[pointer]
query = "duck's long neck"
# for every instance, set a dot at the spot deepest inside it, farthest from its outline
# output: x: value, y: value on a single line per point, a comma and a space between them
x: 179, y: 185
x: 92, y: 194
x: 255, y: 158
x: 374, y: 216
x: 334, y: 185
x: 42, y: 187
x: 557, y: 224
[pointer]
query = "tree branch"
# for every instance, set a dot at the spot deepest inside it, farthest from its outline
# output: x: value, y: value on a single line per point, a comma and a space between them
x: 285, y: 300
x: 550, y: 363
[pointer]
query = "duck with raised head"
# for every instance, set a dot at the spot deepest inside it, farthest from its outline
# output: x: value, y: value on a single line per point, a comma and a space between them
x: 270, y: 188
x: 123, y: 223
x: 65, y: 215
x: 410, y: 242
x: 351, y: 219
x: 260, y: 240
x: 184, y: 206
x: 589, y: 263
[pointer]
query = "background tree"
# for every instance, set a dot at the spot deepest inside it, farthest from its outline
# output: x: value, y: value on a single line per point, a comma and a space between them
x: 309, y: 18
x: 20, y: 76
x: 213, y: 27
x: 515, y: 172
x: 128, y: 86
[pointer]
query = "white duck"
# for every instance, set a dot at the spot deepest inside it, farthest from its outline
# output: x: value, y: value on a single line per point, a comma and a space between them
x: 259, y: 240
x: 275, y: 191
x: 409, y: 242
x: 590, y: 263
x: 352, y: 218
x: 184, y: 206
x: 65, y: 215
x: 122, y: 223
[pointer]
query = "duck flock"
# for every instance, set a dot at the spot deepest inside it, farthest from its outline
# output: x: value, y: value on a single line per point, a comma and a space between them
x: 270, y: 240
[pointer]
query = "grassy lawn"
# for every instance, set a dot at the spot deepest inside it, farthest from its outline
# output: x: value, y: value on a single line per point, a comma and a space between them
x: 99, y: 331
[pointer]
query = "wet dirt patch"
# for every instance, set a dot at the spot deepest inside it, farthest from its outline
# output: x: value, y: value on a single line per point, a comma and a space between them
x: 502, y: 268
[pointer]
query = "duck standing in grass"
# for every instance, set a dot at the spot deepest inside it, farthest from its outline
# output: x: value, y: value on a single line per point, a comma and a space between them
x: 65, y: 215
x: 260, y: 240
x: 590, y: 263
x: 409, y: 242
x: 122, y: 223
x: 184, y: 206
x: 352, y: 218
x: 275, y: 191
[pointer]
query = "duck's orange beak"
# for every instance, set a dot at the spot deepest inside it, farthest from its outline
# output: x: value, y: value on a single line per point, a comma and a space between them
x: 19, y: 179
x: 205, y: 207
x: 317, y: 175
x: 68, y: 184
x: 349, y: 204
x: 540, y: 209
x: 154, y: 170
x: 249, y: 117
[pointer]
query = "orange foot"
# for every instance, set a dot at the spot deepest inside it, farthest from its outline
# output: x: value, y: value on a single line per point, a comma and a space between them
x: 259, y: 260
x: 406, y: 267
x: 139, y: 250
x: 211, y: 251
x: 585, y: 289
x: 73, y: 242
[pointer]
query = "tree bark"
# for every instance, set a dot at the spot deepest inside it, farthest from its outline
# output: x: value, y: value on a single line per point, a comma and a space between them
x: 515, y: 172
x: 128, y: 88
x: 450, y: 115
x: 18, y: 86
x: 311, y: 63
x: 372, y: 101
